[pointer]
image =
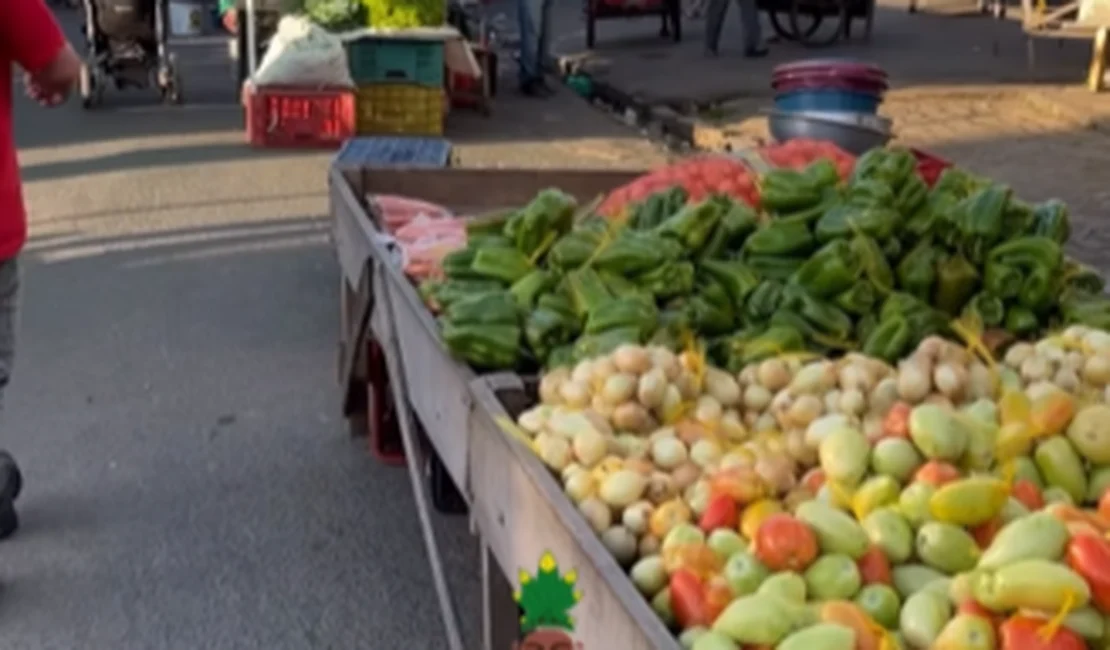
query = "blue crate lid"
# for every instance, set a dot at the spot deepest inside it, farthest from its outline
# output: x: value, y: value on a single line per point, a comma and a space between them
x: 394, y: 152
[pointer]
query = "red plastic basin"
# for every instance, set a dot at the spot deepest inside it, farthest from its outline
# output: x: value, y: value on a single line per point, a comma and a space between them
x: 840, y: 66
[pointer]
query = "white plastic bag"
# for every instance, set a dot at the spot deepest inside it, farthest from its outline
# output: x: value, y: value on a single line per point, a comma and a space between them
x: 302, y: 53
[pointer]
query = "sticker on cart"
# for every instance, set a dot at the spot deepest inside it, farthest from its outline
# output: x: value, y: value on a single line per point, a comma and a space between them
x: 546, y: 598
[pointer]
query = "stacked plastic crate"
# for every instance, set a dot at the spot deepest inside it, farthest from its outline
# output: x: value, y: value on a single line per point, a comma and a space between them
x: 400, y: 84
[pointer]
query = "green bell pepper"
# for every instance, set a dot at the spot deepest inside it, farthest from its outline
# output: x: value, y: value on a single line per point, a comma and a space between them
x: 528, y: 289
x: 1038, y: 289
x: 1017, y: 218
x: 978, y: 221
x: 1001, y: 280
x: 735, y: 276
x: 623, y: 313
x: 865, y: 325
x: 549, y: 215
x: 485, y: 346
x: 492, y: 308
x: 505, y: 264
x: 1021, y: 321
x: 917, y: 270
x: 592, y: 346
x: 634, y: 252
x: 844, y: 221
x: 780, y: 238
x: 922, y: 222
x: 763, y: 301
x: 957, y: 280
x: 911, y: 196
x: 873, y: 262
x: 774, y: 267
x: 1050, y: 219
x: 871, y: 193
x: 587, y: 291
x: 547, y: 329
x: 985, y: 308
x: 668, y: 280
x: 738, y: 221
x: 774, y: 341
x: 708, y: 314
x: 786, y: 190
x: 830, y: 271
x: 889, y: 339
x: 825, y: 318
x: 1081, y: 277
x: 857, y: 300
x: 657, y: 208
x: 576, y: 247
x: 693, y: 224
x: 1028, y: 252
x: 442, y: 294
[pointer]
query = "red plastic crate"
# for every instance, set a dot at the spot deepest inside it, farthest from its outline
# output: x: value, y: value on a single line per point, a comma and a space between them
x: 929, y: 167
x: 299, y: 117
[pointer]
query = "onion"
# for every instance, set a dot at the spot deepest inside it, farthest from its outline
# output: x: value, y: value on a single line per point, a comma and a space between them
x: 580, y: 486
x: 951, y: 380
x: 757, y: 398
x: 602, y: 408
x: 632, y: 359
x: 855, y: 377
x: 565, y: 424
x: 1041, y: 389
x: 748, y: 375
x: 687, y: 385
x: 599, y: 421
x: 665, y: 360
x: 662, y: 432
x: 589, y: 447
x: 597, y: 514
x: 796, y: 446
x: 621, y: 543
x: 601, y: 370
x: 652, y: 387
x: 1067, y: 379
x: 649, y: 546
x: 832, y: 401
x: 980, y: 382
x: 661, y: 487
x: 618, y: 388
x: 668, y: 453
x: 1097, y: 370
x: 1074, y: 361
x: 773, y: 374
x: 623, y: 488
x: 554, y: 451
x: 1036, y: 368
x: 632, y: 417
x: 697, y: 496
x: 722, y: 387
x: 1097, y: 340
x: 583, y: 372
x: 764, y: 423
x: 804, y: 410
x: 873, y: 428
x: 636, y: 517
x: 672, y: 399
x: 708, y: 410
x: 534, y: 420
x: 575, y: 394
x: 684, y: 475
x: 883, y: 397
x: 931, y: 348
x: 913, y: 382
x: 639, y: 465
x: 551, y: 384
x: 777, y: 472
x: 820, y: 428
x: 704, y: 452
x: 1017, y: 354
x: 852, y: 402
x: 631, y: 446
x: 816, y: 378
x: 732, y: 426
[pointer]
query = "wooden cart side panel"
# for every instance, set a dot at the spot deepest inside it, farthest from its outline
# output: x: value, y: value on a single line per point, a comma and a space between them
x: 489, y: 189
x: 352, y: 246
x: 522, y: 513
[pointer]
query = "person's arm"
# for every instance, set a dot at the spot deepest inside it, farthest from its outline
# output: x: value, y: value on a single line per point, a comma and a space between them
x: 30, y: 36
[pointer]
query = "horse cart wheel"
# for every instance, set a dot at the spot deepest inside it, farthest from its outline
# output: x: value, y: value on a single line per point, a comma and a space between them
x: 780, y: 22
x: 814, y: 10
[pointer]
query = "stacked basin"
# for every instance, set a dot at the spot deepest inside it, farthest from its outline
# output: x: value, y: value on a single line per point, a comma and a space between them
x: 830, y: 99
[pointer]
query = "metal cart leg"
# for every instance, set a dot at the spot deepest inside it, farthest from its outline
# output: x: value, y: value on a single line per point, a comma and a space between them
x: 392, y: 350
x: 500, y: 614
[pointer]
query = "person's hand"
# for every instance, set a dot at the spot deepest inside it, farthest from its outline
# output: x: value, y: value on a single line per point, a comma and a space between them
x: 35, y: 90
x: 230, y: 21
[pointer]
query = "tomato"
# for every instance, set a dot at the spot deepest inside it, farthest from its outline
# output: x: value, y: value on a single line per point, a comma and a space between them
x: 849, y: 614
x: 1069, y: 514
x: 718, y: 595
x: 1027, y: 633
x: 784, y: 543
x: 874, y: 567
x: 1028, y: 494
x: 1089, y: 556
x: 720, y: 512
x: 973, y: 608
x: 1104, y: 504
x: 984, y: 533
x: 688, y: 600
x: 896, y: 424
x: 813, y: 480
x: 936, y: 473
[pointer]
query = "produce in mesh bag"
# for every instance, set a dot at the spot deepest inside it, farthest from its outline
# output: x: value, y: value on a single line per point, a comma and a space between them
x: 302, y: 53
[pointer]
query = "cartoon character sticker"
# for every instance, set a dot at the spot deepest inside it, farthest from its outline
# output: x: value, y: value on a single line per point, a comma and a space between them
x: 547, y: 598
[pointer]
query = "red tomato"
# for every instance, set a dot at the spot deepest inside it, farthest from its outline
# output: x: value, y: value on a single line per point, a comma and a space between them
x: 813, y: 480
x: 973, y: 608
x: 1026, y: 633
x: 1104, y: 504
x: 720, y: 512
x: 984, y: 533
x: 1028, y: 494
x: 874, y: 567
x: 718, y: 595
x: 936, y: 473
x: 688, y: 600
x: 1089, y: 556
x: 784, y: 543
x: 896, y: 424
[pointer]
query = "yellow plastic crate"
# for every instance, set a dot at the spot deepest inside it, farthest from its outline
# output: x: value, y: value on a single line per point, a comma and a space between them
x: 401, y: 108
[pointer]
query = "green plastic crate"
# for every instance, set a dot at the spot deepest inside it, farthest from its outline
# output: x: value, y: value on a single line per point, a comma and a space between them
x: 396, y: 61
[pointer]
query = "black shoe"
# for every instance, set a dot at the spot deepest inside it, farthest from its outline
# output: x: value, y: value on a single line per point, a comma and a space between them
x: 9, y: 521
x: 536, y: 88
x: 711, y: 52
x: 756, y: 52
x: 11, y: 479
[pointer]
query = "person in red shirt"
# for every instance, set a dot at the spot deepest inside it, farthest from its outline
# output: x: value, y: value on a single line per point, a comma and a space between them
x: 31, y: 39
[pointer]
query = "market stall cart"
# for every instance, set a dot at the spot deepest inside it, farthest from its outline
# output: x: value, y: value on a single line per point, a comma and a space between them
x: 516, y: 506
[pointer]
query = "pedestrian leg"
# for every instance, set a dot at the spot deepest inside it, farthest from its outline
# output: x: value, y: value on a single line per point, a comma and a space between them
x: 753, y: 30
x: 715, y: 12
x: 11, y: 481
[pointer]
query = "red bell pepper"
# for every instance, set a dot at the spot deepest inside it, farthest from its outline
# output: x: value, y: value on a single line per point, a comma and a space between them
x: 1028, y: 633
x: 1089, y: 556
x: 688, y: 600
x: 720, y: 512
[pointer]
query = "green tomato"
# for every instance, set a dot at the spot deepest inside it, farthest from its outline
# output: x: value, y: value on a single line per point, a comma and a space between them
x: 896, y: 458
x: 881, y: 603
x: 832, y: 577
x: 744, y: 573
x: 914, y: 503
x: 725, y: 542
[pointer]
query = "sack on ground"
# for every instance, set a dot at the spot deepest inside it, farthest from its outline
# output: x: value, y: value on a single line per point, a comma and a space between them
x: 303, y: 54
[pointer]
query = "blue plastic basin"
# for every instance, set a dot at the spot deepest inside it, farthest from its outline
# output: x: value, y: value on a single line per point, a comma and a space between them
x: 828, y: 100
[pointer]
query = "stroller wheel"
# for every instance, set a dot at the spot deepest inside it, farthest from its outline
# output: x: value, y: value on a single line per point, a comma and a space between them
x: 88, y: 92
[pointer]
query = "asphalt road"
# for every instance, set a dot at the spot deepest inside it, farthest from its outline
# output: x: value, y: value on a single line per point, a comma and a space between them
x: 190, y: 483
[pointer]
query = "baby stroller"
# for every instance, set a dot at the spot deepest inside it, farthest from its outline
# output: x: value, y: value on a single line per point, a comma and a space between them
x: 126, y: 42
